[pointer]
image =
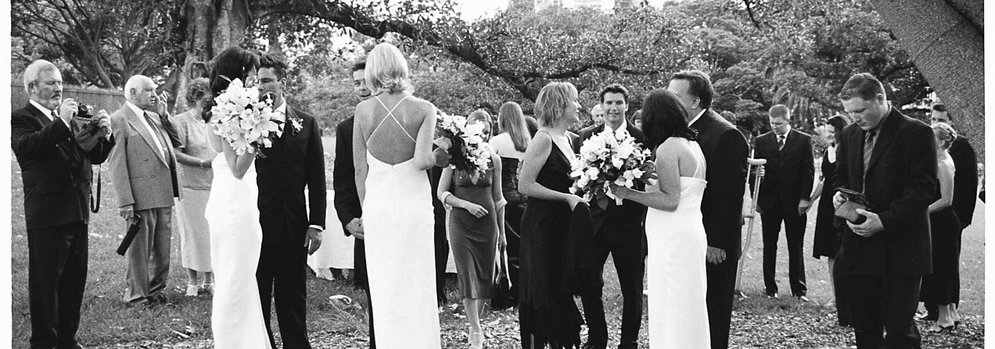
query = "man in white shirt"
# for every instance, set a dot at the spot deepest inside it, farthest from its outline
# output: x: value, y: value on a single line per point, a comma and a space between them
x: 143, y: 169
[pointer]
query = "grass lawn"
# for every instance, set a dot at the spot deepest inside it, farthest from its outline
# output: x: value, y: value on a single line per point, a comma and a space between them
x: 185, y: 322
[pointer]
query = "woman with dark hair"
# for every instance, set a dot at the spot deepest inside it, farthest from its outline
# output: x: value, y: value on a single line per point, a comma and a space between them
x: 194, y: 156
x: 233, y: 219
x: 826, y: 242
x: 675, y: 235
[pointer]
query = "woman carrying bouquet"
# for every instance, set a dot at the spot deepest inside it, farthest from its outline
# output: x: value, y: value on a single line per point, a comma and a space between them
x: 474, y: 229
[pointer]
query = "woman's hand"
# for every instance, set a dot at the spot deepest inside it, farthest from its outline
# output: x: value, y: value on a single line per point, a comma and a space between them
x: 502, y: 241
x: 573, y: 200
x: 620, y: 192
x: 474, y: 209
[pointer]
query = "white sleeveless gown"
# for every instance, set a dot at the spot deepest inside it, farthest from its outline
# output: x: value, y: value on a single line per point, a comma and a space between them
x: 400, y: 253
x: 675, y: 268
x: 236, y: 240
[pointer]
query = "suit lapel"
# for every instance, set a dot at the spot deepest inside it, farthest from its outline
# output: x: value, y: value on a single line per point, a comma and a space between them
x: 137, y: 124
x: 884, y: 138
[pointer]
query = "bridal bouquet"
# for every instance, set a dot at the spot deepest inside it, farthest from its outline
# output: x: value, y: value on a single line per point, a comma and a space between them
x: 606, y: 158
x: 244, y: 120
x: 465, y: 144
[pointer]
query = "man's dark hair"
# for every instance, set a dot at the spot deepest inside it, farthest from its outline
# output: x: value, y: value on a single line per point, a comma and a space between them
x: 614, y: 88
x: 269, y: 61
x: 863, y: 85
x: 699, y: 85
x: 360, y: 65
x: 940, y: 107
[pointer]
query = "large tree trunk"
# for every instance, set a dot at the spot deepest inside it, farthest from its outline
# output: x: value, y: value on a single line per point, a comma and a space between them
x: 947, y: 46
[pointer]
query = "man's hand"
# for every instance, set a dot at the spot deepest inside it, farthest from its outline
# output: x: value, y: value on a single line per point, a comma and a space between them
x: 803, y: 206
x: 838, y: 200
x: 872, y: 225
x: 313, y: 240
x: 160, y: 104
x: 104, y: 122
x: 355, y: 228
x: 715, y: 255
x: 128, y: 213
x: 68, y: 110
x: 442, y: 156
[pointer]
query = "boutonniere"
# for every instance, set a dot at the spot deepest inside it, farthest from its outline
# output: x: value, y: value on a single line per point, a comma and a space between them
x: 296, y: 123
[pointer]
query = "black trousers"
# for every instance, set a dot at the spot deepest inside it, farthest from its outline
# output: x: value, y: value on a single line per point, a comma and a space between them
x: 630, y: 263
x: 361, y: 280
x: 441, y: 258
x: 794, y: 231
x: 884, y: 303
x: 57, y: 260
x: 281, y: 276
x: 719, y: 297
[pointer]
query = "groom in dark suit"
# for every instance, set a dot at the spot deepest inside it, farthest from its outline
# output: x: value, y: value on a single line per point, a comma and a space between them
x: 783, y: 196
x: 891, y: 159
x: 55, y: 168
x: 725, y: 152
x: 619, y: 231
x: 291, y: 229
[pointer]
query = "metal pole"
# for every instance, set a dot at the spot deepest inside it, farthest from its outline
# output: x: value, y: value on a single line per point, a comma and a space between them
x: 752, y: 216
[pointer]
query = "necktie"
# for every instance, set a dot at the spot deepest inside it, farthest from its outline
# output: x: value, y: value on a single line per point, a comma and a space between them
x: 868, y: 148
x: 157, y: 136
x: 780, y: 143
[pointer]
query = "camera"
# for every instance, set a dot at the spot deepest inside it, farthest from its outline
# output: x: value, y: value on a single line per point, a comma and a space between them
x: 84, y: 112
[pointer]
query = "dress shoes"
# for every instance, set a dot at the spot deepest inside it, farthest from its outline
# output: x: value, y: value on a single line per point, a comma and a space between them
x: 593, y: 345
x: 772, y: 295
x: 803, y: 299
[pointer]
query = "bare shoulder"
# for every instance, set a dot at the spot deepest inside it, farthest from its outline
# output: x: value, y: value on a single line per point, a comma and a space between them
x: 422, y: 106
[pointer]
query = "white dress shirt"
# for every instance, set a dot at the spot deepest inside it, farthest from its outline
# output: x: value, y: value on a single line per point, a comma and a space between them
x: 152, y: 131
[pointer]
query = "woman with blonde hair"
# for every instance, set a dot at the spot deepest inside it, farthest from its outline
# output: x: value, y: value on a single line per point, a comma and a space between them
x: 392, y: 149
x: 940, y: 287
x: 548, y: 315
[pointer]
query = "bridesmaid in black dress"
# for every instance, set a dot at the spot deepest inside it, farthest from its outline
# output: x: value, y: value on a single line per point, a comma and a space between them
x: 827, y: 234
x: 940, y: 287
x: 548, y: 315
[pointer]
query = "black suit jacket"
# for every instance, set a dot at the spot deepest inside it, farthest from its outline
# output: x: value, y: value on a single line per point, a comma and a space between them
x: 628, y: 219
x: 347, y: 204
x: 55, y: 171
x: 294, y: 161
x: 725, y: 152
x: 965, y: 179
x: 789, y: 172
x: 900, y: 184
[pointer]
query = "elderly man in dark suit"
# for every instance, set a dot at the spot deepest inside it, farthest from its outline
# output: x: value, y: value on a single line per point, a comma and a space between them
x: 891, y: 159
x: 725, y: 152
x: 55, y: 152
x: 619, y: 231
x: 143, y: 169
x: 783, y: 196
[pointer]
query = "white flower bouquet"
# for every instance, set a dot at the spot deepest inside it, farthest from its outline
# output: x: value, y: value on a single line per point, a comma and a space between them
x: 465, y: 144
x: 610, y: 157
x: 244, y: 120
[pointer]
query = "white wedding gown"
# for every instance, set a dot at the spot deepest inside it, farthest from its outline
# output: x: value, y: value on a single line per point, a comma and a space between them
x: 399, y: 224
x: 675, y: 268
x: 236, y: 238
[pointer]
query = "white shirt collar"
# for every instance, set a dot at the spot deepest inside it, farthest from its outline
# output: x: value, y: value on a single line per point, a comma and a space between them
x: 46, y: 111
x: 624, y: 126
x: 138, y: 111
x: 702, y: 112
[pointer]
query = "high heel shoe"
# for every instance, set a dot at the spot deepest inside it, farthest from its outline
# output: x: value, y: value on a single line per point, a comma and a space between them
x: 941, y: 328
x: 476, y: 340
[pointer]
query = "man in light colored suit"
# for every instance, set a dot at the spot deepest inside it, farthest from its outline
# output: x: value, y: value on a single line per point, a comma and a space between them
x: 143, y: 169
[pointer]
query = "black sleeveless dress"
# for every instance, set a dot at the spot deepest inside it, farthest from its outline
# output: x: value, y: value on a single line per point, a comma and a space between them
x: 547, y: 312
x: 826, y: 241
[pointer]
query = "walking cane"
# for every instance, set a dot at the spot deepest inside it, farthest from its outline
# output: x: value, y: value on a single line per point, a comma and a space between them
x: 755, y: 165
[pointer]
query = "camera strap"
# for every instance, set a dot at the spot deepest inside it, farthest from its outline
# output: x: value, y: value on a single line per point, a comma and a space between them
x: 95, y: 203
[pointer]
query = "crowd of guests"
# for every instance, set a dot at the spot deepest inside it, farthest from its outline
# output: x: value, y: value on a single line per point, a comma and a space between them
x: 917, y: 185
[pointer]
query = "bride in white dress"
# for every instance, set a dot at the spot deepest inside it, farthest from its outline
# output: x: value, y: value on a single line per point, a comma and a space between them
x: 392, y: 149
x: 676, y: 244
x: 236, y: 236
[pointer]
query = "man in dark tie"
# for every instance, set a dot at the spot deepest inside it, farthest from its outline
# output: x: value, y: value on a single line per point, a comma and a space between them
x: 891, y: 159
x: 619, y: 231
x: 965, y: 184
x: 347, y: 204
x: 143, y: 169
x: 783, y: 196
x: 725, y: 152
x: 55, y: 152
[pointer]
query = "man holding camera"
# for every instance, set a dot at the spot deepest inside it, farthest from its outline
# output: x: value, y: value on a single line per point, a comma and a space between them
x: 143, y: 169
x: 886, y: 169
x: 55, y: 146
